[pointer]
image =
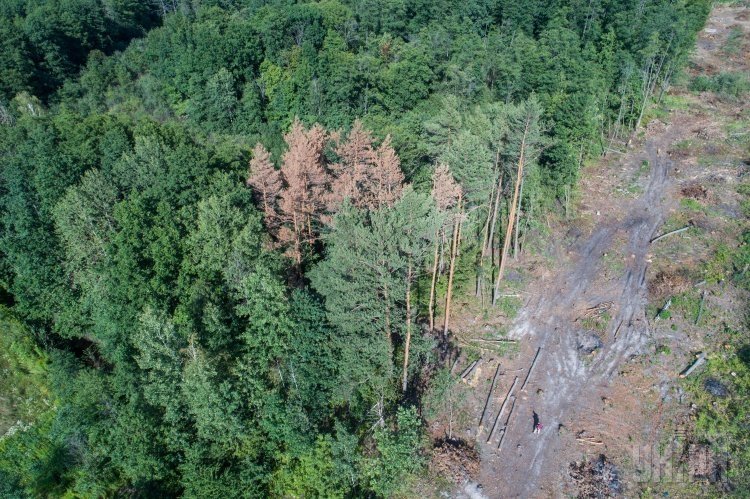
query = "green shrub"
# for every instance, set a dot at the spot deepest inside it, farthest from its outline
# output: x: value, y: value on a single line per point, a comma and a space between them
x: 727, y: 85
x: 399, y: 457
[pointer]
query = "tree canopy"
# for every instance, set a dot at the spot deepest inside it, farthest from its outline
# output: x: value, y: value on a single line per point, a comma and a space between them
x: 219, y: 220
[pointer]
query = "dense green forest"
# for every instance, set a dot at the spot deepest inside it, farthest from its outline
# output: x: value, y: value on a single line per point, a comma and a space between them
x: 228, y: 227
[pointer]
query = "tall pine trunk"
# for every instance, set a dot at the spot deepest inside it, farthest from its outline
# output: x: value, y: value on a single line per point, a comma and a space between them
x: 387, y: 311
x: 518, y: 223
x: 512, y: 214
x: 452, y: 268
x: 493, y: 223
x: 431, y: 305
x: 487, y: 233
x: 297, y: 240
x: 408, y: 327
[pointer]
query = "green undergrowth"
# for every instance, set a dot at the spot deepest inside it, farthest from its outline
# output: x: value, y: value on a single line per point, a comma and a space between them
x: 723, y: 417
x: 23, y: 381
x: 727, y: 85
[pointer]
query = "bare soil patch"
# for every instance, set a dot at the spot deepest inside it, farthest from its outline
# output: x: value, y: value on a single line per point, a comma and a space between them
x: 605, y: 379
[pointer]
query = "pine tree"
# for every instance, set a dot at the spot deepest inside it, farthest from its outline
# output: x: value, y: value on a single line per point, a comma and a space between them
x: 303, y: 199
x: 266, y: 182
x: 446, y: 192
x: 371, y: 263
x: 370, y: 178
x: 528, y: 137
x: 386, y: 177
x: 356, y: 155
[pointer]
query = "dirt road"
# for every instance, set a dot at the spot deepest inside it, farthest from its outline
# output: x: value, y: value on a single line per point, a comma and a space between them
x: 567, y: 379
x: 564, y: 371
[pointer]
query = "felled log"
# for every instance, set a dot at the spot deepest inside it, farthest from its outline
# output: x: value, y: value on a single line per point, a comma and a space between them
x: 466, y: 371
x: 502, y: 409
x: 494, y: 340
x: 502, y: 436
x: 531, y: 369
x: 700, y: 360
x: 489, y: 396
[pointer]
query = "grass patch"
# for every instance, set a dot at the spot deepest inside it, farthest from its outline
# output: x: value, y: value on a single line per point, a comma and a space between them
x: 692, y: 205
x: 738, y: 131
x: 684, y: 145
x: 673, y: 102
x: 663, y: 350
x: 597, y: 323
x: 733, y: 45
x: 728, y: 86
x: 614, y: 263
x: 509, y: 306
x: 722, y: 420
x: 687, y: 305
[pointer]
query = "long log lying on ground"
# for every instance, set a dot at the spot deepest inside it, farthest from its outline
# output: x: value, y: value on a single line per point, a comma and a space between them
x: 471, y: 366
x: 504, y: 430
x: 473, y: 369
x: 531, y: 369
x: 618, y: 328
x: 700, y: 360
x: 591, y: 441
x: 502, y: 437
x: 502, y: 409
x: 677, y: 231
x: 494, y: 340
x: 489, y: 396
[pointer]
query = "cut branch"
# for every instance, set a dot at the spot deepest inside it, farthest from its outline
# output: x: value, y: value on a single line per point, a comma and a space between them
x: 677, y: 231
x: 664, y: 309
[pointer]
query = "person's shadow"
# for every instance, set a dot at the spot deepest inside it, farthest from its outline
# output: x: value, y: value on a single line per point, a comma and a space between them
x: 536, y: 420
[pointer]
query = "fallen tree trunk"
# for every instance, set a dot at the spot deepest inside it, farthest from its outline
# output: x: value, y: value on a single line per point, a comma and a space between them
x: 502, y: 436
x: 531, y: 369
x: 489, y: 396
x: 502, y: 409
x: 471, y: 366
x: 496, y: 340
x: 700, y: 360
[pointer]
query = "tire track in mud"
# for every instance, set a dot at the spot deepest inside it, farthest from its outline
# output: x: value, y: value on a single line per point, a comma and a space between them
x: 527, y: 460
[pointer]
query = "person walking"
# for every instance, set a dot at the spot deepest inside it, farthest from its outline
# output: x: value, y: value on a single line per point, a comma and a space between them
x: 537, y: 424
